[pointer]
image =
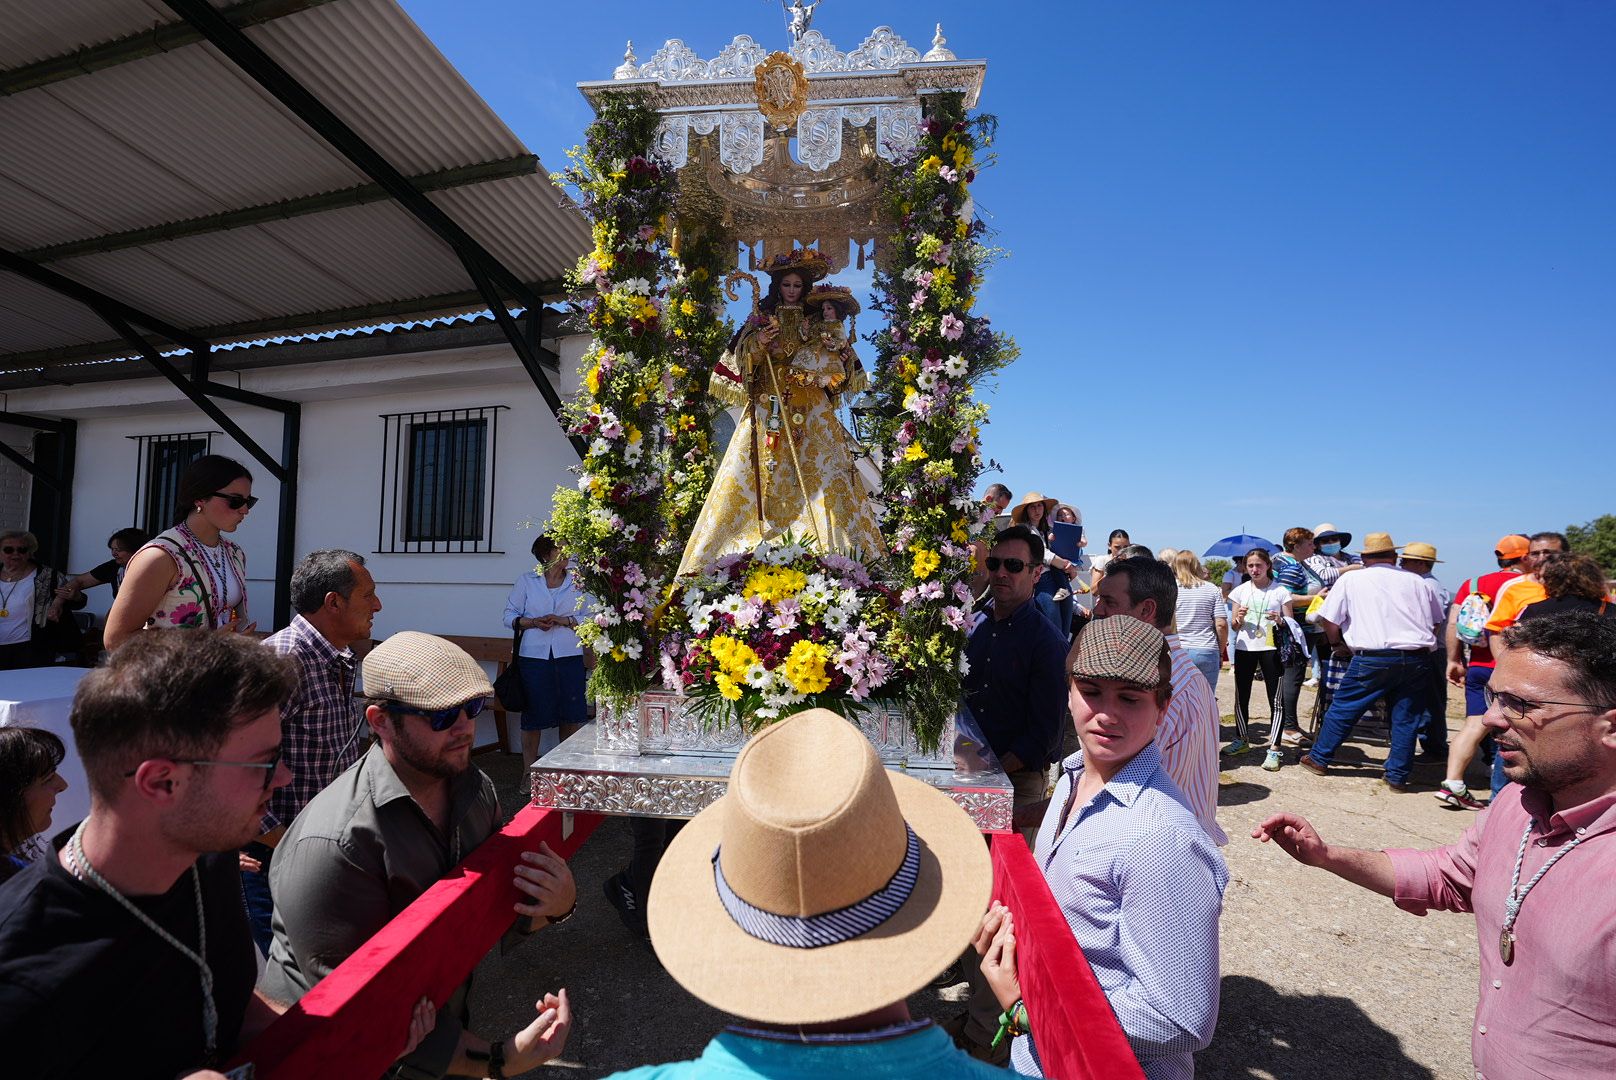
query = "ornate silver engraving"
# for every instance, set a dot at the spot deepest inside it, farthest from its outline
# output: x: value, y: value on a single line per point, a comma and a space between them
x: 939, y: 48
x: 897, y: 131
x: 617, y: 732
x: 705, y: 123
x: 858, y: 115
x: 642, y: 796
x: 815, y: 53
x: 819, y: 138
x: 671, y: 144
x: 740, y: 141
x: 675, y: 62
x: 737, y: 60
x: 881, y: 51
x: 991, y: 810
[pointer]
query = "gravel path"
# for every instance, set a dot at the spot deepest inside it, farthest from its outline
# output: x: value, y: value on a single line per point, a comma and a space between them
x: 1320, y: 979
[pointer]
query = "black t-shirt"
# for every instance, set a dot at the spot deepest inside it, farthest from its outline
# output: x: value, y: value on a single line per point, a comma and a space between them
x: 1564, y: 605
x: 107, y: 571
x: 87, y: 990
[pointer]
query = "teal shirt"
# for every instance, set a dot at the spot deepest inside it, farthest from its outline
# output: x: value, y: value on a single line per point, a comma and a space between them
x: 927, y: 1054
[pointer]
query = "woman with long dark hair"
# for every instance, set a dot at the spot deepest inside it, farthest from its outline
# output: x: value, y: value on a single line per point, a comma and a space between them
x: 29, y: 785
x: 1257, y: 606
x: 190, y: 577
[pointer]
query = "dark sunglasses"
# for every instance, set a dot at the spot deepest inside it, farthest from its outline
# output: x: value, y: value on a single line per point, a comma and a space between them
x: 1015, y: 566
x: 236, y: 502
x: 267, y: 766
x: 439, y: 719
x: 8, y: 550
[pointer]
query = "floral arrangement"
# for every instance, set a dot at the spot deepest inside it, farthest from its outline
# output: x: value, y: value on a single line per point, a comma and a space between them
x: 643, y: 411
x: 930, y: 356
x: 777, y: 629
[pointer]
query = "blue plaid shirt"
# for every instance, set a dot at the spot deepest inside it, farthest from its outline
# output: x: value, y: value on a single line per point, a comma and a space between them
x: 1141, y: 886
x: 320, y: 734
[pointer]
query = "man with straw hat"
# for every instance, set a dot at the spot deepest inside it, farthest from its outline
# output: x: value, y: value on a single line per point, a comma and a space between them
x: 1420, y: 560
x: 811, y: 901
x: 1386, y: 621
x: 1138, y: 879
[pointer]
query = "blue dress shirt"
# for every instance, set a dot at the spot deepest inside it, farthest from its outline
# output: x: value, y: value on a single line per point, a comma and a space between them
x: 1141, y: 886
x: 910, y: 1052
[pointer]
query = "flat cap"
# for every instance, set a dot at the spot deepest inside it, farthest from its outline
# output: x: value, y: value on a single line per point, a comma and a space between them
x: 423, y: 671
x: 1120, y: 647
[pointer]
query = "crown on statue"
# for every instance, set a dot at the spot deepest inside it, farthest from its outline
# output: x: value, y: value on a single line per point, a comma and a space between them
x: 811, y: 264
x: 840, y: 295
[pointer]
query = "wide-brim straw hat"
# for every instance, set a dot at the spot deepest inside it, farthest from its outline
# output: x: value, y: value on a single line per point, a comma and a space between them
x: 810, y: 844
x: 840, y: 295
x: 811, y: 263
x: 1019, y: 514
x: 1324, y: 529
x: 1422, y: 552
x: 1378, y: 544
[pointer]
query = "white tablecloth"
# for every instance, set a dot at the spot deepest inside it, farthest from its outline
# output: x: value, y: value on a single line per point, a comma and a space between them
x: 43, y: 698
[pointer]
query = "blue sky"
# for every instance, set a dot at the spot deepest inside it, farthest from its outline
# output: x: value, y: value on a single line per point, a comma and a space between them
x: 1269, y: 264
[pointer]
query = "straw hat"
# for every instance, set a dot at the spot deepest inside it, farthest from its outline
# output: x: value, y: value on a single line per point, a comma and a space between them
x: 840, y: 295
x: 1323, y: 529
x: 1378, y: 544
x: 426, y: 672
x: 809, y: 262
x: 1018, y: 516
x: 800, y: 897
x: 1423, y: 552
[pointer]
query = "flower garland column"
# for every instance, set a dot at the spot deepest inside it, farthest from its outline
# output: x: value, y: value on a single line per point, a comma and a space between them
x: 931, y: 355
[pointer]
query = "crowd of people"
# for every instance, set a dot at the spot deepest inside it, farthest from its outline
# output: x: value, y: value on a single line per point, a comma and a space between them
x: 253, y: 823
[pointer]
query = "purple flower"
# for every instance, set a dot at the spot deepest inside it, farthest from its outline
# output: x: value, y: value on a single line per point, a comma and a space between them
x: 953, y: 328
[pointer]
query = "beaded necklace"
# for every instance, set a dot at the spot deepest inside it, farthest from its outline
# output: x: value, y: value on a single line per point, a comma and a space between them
x: 220, y: 573
x: 80, y: 865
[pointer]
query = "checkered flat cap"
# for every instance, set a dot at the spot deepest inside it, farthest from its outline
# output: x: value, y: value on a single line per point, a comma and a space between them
x: 1120, y: 647
x: 423, y: 671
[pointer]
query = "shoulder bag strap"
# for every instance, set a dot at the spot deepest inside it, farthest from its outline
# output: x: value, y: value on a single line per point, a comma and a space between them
x: 196, y: 575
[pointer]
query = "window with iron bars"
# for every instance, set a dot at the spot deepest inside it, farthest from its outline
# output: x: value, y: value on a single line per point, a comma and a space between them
x: 437, y: 491
x: 159, y: 462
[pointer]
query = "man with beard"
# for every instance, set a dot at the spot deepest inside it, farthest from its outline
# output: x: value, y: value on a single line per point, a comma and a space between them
x: 383, y: 832
x: 1535, y: 865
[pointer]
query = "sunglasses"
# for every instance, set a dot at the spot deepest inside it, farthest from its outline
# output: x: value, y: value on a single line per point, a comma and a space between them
x: 9, y: 550
x: 439, y: 719
x: 268, y: 766
x: 1015, y: 566
x: 236, y: 502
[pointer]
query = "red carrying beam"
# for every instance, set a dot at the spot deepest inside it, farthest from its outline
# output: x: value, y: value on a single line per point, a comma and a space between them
x: 354, y: 1023
x: 1063, y: 997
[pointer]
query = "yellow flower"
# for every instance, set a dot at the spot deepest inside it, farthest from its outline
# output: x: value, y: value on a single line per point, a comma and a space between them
x: 931, y: 164
x: 926, y: 563
x: 805, y: 667
x: 960, y: 229
x: 942, y: 276
x: 619, y: 655
x: 774, y: 582
x: 728, y: 688
x: 914, y: 452
x: 592, y: 380
x: 962, y: 157
x: 957, y: 532
x: 633, y: 433
x: 687, y: 307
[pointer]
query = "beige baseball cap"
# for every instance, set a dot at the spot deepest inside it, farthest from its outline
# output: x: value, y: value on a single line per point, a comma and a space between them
x: 423, y: 671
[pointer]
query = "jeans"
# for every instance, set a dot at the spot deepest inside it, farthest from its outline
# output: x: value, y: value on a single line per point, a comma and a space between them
x: 1058, y: 612
x: 255, y: 890
x: 1500, y: 781
x: 1208, y: 663
x: 1434, y: 735
x: 1405, y: 682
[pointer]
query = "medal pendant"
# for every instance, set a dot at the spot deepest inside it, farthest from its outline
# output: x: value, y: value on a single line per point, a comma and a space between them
x: 3, y: 613
x: 1506, y: 947
x: 797, y: 419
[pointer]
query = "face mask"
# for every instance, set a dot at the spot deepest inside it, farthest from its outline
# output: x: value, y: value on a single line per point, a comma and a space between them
x: 1330, y: 549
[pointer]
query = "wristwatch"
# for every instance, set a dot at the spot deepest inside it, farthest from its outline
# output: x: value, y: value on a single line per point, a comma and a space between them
x: 496, y: 1060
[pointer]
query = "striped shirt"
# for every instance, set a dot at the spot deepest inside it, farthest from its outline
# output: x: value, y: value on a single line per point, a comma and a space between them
x: 1188, y: 739
x: 1198, y: 609
x: 1141, y: 887
x: 320, y: 725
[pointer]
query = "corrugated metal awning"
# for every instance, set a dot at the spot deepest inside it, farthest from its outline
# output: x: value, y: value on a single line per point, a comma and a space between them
x: 144, y: 163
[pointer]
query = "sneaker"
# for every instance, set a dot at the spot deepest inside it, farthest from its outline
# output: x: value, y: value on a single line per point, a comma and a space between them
x: 1234, y: 749
x: 1271, y: 761
x: 621, y: 896
x: 1294, y: 737
x: 1459, y: 800
x: 1313, y: 683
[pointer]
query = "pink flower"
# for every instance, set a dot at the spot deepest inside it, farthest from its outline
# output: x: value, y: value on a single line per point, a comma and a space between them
x: 953, y: 328
x: 924, y: 279
x: 917, y: 301
x: 184, y: 613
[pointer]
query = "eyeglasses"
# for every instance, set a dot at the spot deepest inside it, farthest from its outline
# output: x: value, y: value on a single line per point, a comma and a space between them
x: 1515, y: 707
x: 9, y: 550
x: 439, y: 719
x: 268, y: 766
x: 1015, y: 566
x: 236, y: 502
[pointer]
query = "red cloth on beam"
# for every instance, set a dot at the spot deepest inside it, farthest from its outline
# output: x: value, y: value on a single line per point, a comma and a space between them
x: 1078, y: 1034
x: 356, y: 1021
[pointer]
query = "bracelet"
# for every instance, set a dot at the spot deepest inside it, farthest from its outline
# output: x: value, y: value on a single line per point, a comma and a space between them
x: 1013, y: 1021
x: 557, y: 920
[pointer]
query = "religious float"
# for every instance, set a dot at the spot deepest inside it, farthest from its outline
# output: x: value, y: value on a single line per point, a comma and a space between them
x: 739, y: 586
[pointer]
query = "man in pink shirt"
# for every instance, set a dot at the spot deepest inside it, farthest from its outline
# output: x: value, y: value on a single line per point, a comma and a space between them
x: 1187, y: 737
x: 1537, y: 866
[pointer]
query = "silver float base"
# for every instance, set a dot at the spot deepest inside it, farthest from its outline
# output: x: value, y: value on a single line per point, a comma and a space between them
x: 579, y: 776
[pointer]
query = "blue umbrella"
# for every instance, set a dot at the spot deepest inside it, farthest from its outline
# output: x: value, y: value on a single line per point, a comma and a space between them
x: 1232, y: 547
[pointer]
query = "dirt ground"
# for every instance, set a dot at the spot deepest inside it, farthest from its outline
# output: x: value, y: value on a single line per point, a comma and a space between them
x: 1320, y: 979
